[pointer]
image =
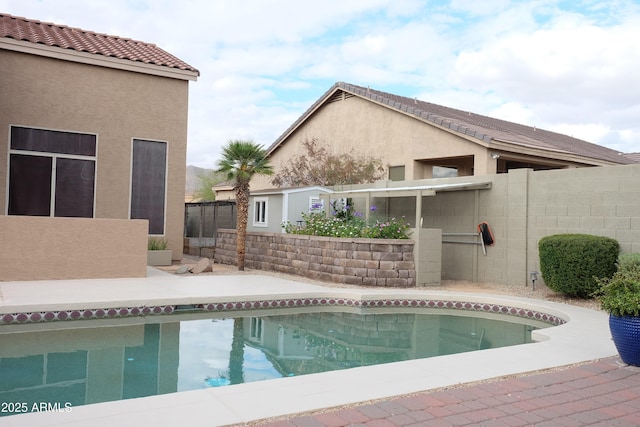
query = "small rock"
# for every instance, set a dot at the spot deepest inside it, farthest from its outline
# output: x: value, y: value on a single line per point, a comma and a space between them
x: 183, y: 269
x: 203, y: 266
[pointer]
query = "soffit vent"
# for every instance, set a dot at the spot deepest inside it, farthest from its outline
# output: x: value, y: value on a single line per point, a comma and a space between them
x: 339, y: 96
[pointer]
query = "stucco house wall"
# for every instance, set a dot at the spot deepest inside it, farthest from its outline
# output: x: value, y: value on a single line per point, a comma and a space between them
x: 51, y: 88
x: 39, y: 248
x: 367, y: 128
x: 413, y: 137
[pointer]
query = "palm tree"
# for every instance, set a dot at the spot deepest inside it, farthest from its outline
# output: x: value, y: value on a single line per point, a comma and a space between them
x: 240, y: 161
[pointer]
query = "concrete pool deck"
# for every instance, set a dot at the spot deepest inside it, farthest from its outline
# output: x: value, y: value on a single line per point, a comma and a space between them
x: 584, y: 337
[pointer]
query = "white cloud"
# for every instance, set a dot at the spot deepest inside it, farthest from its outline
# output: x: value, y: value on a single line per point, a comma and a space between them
x: 556, y: 65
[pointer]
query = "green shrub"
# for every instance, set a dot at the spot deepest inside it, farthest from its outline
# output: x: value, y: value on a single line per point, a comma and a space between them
x: 629, y: 262
x: 620, y: 295
x: 157, y: 244
x: 571, y: 263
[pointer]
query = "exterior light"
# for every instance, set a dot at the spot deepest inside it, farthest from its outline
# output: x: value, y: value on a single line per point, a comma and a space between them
x: 533, y: 276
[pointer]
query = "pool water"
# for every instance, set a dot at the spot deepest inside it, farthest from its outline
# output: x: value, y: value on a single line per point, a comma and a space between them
x: 67, y: 367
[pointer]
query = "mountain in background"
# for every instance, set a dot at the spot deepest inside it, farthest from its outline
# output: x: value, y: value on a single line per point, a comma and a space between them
x: 192, y: 182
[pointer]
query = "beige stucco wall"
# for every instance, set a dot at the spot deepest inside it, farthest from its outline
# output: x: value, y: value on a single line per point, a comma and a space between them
x: 114, y: 104
x: 41, y: 248
x: 364, y: 128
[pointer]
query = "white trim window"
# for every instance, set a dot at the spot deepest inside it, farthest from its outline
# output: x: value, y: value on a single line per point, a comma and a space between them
x: 316, y: 205
x: 261, y: 212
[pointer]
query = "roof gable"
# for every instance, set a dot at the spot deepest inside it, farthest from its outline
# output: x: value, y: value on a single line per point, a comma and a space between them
x: 473, y: 126
x: 78, y: 40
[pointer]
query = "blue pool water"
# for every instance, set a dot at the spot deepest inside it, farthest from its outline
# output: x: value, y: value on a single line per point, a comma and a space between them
x: 62, y: 367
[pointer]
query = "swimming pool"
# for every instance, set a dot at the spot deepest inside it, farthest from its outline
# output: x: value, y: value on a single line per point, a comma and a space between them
x: 582, y: 335
x: 68, y: 364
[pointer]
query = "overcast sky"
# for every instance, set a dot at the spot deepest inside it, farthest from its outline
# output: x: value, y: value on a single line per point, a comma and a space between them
x: 568, y: 66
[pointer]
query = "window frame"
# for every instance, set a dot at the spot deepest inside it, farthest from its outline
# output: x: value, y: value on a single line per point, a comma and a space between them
x: 260, y: 220
x: 165, y: 183
x: 54, y: 156
x: 393, y: 170
x: 313, y: 201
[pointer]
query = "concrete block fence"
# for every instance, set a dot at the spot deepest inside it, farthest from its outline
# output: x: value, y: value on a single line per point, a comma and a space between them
x: 367, y: 262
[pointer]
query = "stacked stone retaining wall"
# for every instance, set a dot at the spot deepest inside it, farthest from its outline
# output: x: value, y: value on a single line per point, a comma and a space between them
x: 367, y: 262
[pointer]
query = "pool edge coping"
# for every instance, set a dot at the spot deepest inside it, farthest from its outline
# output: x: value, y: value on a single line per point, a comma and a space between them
x: 581, y: 338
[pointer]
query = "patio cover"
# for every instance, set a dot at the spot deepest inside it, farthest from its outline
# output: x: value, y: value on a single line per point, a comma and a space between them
x: 407, y: 191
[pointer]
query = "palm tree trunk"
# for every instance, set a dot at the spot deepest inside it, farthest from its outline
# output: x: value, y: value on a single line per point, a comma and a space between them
x: 236, y: 357
x: 242, y: 199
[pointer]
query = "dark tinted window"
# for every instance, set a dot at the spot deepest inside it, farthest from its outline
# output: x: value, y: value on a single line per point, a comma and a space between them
x: 148, y: 175
x: 30, y: 185
x: 50, y: 141
x: 74, y: 187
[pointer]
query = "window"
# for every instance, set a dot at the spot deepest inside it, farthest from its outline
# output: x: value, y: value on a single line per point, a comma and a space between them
x: 51, y: 173
x: 148, y: 182
x: 444, y: 172
x: 260, y: 212
x: 316, y: 205
x: 396, y: 173
x: 255, y: 329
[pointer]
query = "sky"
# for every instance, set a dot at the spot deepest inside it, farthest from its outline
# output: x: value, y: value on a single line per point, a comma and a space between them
x: 566, y: 66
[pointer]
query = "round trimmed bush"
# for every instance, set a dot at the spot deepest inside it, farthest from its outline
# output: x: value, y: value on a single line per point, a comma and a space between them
x: 570, y: 264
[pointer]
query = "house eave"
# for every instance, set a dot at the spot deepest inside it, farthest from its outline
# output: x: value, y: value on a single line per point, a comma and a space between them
x: 96, y: 60
x: 548, y: 153
x: 280, y: 191
x: 425, y: 190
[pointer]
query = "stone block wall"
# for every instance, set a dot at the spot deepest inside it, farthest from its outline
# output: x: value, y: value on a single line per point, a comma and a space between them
x: 367, y: 262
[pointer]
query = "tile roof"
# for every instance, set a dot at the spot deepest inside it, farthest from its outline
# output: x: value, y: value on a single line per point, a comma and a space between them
x: 634, y: 157
x: 482, y: 128
x: 64, y: 37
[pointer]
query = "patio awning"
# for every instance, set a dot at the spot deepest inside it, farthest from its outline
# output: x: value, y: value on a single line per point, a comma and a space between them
x: 424, y: 190
x: 407, y: 191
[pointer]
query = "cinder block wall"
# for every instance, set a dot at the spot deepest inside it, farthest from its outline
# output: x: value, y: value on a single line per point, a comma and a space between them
x: 367, y: 262
x: 523, y: 206
x: 600, y: 201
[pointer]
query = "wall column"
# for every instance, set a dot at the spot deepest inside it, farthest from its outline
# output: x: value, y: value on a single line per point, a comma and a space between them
x: 516, y: 226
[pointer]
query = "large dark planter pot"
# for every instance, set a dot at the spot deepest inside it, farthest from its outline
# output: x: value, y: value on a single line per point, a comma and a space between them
x: 625, y: 331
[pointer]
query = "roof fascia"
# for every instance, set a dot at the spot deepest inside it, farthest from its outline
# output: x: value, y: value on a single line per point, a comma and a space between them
x: 311, y: 188
x: 276, y: 191
x: 97, y: 60
x: 558, y: 155
x: 427, y: 190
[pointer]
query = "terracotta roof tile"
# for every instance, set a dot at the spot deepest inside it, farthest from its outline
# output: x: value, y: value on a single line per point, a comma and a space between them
x: 65, y: 37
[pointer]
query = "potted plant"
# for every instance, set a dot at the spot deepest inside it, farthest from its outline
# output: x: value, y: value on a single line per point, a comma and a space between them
x: 620, y: 297
x: 157, y: 252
